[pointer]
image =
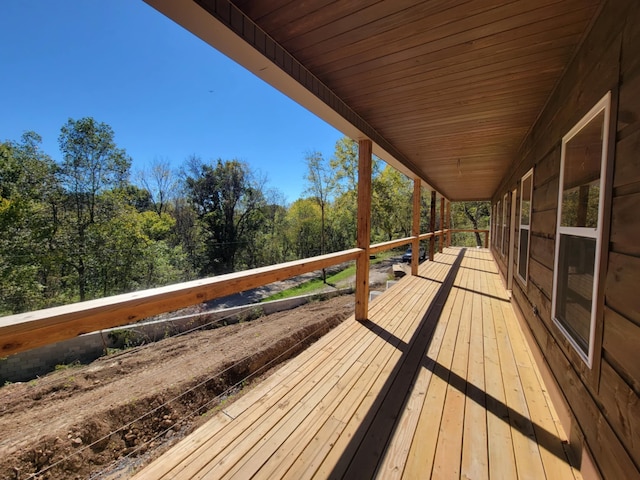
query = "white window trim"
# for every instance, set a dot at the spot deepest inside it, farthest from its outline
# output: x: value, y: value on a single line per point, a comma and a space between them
x: 527, y: 227
x: 603, y: 105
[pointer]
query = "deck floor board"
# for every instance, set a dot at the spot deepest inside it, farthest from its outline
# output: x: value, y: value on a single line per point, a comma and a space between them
x: 439, y: 382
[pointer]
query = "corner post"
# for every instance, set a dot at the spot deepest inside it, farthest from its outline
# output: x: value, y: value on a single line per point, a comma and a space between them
x: 441, y: 239
x: 415, y: 228
x: 364, y: 229
x: 432, y: 225
x: 448, y: 220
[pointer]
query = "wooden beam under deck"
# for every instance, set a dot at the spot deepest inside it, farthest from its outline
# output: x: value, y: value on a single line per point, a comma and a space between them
x: 438, y: 383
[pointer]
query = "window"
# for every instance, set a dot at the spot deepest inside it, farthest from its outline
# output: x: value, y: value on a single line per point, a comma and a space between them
x: 504, y: 243
x: 494, y: 219
x: 579, y: 228
x: 526, y: 191
x: 499, y: 226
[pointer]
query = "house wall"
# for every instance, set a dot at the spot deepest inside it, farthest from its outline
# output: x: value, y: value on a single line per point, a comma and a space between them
x: 604, y: 401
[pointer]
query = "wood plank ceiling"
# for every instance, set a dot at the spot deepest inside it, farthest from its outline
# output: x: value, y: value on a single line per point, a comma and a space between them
x: 452, y: 85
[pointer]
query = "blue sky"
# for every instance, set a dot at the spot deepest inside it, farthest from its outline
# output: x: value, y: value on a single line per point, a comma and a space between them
x: 166, y: 94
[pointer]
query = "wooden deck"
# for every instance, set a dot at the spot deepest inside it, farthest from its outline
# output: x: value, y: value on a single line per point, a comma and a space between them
x: 438, y: 383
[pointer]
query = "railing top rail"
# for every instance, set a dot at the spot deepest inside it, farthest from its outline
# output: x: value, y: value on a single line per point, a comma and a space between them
x: 41, y: 327
x: 383, y: 246
x: 425, y: 236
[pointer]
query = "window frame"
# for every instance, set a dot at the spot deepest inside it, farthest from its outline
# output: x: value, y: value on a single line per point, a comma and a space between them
x: 504, y: 248
x: 525, y: 280
x: 603, y: 105
x: 494, y: 226
x: 499, y: 225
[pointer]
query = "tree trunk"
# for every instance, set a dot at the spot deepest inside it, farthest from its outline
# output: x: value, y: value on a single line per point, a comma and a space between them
x: 474, y: 221
x: 322, y: 240
x: 82, y: 280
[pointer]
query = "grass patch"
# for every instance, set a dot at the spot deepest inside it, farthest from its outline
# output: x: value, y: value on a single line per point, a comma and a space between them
x: 316, y: 284
x: 302, y: 289
x: 67, y: 366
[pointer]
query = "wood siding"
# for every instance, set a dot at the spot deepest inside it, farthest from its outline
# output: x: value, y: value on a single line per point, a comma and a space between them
x: 605, y: 400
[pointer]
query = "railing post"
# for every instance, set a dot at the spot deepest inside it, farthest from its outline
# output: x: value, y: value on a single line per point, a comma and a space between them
x: 441, y: 240
x: 364, y: 229
x: 432, y: 225
x: 486, y: 239
x: 448, y: 220
x: 415, y: 228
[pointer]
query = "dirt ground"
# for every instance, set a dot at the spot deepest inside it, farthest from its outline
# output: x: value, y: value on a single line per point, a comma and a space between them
x: 107, y: 418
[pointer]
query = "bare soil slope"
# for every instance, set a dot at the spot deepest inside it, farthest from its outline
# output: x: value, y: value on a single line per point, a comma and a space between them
x: 123, y: 410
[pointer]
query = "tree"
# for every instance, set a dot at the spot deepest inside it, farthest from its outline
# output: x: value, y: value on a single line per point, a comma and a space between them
x: 188, y: 232
x: 27, y: 192
x: 469, y: 215
x: 271, y: 245
x: 344, y: 180
x: 160, y: 184
x: 319, y: 187
x: 91, y: 164
x: 341, y: 221
x: 303, y: 227
x: 391, y: 209
x: 344, y: 165
x: 228, y: 200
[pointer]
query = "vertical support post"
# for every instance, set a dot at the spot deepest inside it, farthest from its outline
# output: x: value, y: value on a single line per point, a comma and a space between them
x: 486, y: 239
x: 432, y: 225
x: 364, y: 229
x: 415, y: 228
x: 448, y: 224
x: 441, y: 239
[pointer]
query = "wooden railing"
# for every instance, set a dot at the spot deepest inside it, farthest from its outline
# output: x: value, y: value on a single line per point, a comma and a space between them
x: 384, y: 246
x: 485, y: 231
x: 29, y: 330
x: 38, y: 328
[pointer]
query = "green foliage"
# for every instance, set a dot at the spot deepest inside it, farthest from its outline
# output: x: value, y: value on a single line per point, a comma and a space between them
x: 392, y: 205
x: 78, y: 229
x: 228, y: 202
x: 157, y: 227
x: 91, y: 165
x: 125, y: 338
x: 469, y: 215
x: 303, y: 223
x: 27, y: 192
x: 67, y: 366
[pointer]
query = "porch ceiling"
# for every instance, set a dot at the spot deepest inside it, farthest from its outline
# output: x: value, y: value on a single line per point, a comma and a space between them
x: 446, y: 89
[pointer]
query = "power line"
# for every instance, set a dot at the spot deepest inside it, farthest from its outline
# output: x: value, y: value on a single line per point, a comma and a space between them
x: 230, y: 389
